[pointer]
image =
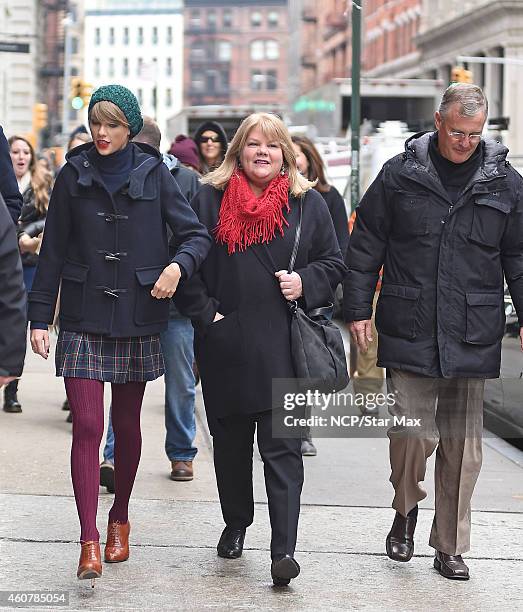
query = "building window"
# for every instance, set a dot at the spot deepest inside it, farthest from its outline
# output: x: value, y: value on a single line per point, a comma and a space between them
x: 257, y: 50
x: 140, y: 36
x: 197, y: 81
x: 272, y: 19
x: 97, y: 36
x: 257, y: 80
x: 210, y: 81
x: 272, y: 79
x: 169, y: 35
x: 168, y: 97
x: 224, y: 51
x: 272, y: 49
x: 126, y: 36
x: 111, y: 67
x: 74, y: 45
x: 154, y: 98
x: 225, y: 80
x: 197, y: 52
x: 139, y: 95
x: 169, y: 67
x: 97, y: 67
x: 139, y: 66
x: 155, y: 35
x: 111, y: 36
x: 125, y: 67
x: 195, y: 18
x: 227, y: 18
x: 256, y: 19
x: 211, y: 19
x: 265, y: 49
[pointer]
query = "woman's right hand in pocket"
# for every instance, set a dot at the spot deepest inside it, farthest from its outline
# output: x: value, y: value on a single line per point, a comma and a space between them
x: 40, y: 342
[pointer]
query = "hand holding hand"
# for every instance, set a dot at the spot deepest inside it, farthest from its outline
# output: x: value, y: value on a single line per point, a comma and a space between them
x: 28, y: 244
x: 40, y: 342
x: 361, y: 332
x: 167, y: 283
x: 290, y: 284
x: 5, y: 380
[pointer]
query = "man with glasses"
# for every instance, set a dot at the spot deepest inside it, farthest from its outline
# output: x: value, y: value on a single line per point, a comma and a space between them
x: 445, y: 219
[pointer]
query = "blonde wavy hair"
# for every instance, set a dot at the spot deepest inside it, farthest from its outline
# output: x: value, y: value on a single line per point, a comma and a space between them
x: 41, y: 178
x: 272, y: 128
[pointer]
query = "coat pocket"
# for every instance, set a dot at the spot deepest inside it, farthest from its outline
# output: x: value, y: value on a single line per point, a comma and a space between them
x: 72, y: 292
x: 411, y: 218
x: 148, y: 309
x: 222, y: 345
x: 485, y: 318
x: 488, y: 221
x: 396, y: 310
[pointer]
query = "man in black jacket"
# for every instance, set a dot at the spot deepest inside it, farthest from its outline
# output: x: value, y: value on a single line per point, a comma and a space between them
x: 445, y: 219
x: 12, y: 302
x: 8, y: 185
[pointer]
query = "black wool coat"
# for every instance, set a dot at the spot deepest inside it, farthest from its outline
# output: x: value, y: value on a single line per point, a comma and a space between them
x: 440, y: 309
x: 108, y: 250
x: 239, y: 356
x: 12, y: 299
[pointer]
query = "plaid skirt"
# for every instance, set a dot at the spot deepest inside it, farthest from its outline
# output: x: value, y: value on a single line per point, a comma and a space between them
x: 116, y: 360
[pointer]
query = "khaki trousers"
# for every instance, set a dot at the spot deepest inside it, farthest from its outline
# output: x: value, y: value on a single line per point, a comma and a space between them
x: 451, y: 415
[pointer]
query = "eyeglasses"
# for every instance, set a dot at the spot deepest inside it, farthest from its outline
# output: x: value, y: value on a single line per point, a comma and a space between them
x: 205, y: 139
x: 475, y: 137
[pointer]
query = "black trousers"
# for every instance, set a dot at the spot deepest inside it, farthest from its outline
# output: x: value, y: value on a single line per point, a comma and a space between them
x: 233, y: 439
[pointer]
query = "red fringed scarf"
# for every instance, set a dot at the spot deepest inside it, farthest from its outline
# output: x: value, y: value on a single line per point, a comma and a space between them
x: 245, y: 219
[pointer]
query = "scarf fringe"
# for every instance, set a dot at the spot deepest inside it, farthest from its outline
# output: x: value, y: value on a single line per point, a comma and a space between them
x: 245, y: 220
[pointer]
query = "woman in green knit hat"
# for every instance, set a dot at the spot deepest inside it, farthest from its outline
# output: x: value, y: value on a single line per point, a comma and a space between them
x: 106, y: 246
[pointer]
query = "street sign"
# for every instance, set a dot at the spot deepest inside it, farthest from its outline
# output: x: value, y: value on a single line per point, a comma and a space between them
x: 12, y: 47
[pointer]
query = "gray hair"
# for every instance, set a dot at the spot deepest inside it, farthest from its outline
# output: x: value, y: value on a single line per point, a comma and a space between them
x: 470, y: 98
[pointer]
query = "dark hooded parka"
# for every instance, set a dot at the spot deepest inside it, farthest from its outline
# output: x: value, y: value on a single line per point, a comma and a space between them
x: 441, y: 309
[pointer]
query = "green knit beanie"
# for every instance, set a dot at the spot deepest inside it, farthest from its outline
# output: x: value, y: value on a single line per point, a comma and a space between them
x: 125, y: 100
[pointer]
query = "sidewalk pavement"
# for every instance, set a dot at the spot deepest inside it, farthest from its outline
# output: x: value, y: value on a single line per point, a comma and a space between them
x: 175, y: 526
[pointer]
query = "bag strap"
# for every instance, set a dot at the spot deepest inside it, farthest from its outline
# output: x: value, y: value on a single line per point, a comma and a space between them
x: 294, y: 253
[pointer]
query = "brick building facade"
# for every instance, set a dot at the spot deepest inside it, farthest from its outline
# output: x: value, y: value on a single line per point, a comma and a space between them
x: 235, y: 52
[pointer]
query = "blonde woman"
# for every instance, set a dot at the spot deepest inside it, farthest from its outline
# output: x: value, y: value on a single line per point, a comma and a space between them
x: 251, y: 205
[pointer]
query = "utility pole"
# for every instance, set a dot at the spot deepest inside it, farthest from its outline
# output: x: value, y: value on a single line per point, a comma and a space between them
x: 355, y: 114
x: 67, y: 23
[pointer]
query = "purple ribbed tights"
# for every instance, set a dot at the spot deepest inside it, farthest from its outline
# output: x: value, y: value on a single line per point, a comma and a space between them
x: 87, y: 407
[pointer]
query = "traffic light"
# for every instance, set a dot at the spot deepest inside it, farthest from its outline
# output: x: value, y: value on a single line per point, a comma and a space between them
x: 80, y: 93
x: 461, y: 75
x: 39, y: 116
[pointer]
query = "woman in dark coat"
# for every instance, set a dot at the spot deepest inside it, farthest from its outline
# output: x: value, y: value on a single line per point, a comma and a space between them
x: 106, y: 242
x: 211, y: 139
x: 310, y: 164
x: 238, y: 303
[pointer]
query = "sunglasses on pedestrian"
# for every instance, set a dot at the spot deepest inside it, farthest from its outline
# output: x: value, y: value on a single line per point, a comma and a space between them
x: 205, y: 139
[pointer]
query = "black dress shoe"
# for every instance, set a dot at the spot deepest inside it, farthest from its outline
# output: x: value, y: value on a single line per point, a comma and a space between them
x: 451, y: 566
x: 400, y: 540
x: 284, y: 569
x: 230, y: 545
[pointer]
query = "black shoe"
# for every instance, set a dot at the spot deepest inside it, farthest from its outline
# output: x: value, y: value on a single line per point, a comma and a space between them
x: 107, y: 476
x: 400, y: 540
x: 451, y: 566
x: 307, y: 448
x: 11, y: 403
x: 65, y: 405
x: 69, y: 418
x: 230, y: 545
x: 283, y: 570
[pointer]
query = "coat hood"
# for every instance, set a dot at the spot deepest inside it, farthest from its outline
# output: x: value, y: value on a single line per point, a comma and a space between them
x: 84, y: 161
x: 215, y: 127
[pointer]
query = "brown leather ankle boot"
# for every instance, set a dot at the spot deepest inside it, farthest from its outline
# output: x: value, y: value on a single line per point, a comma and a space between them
x: 117, y: 545
x: 90, y: 564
